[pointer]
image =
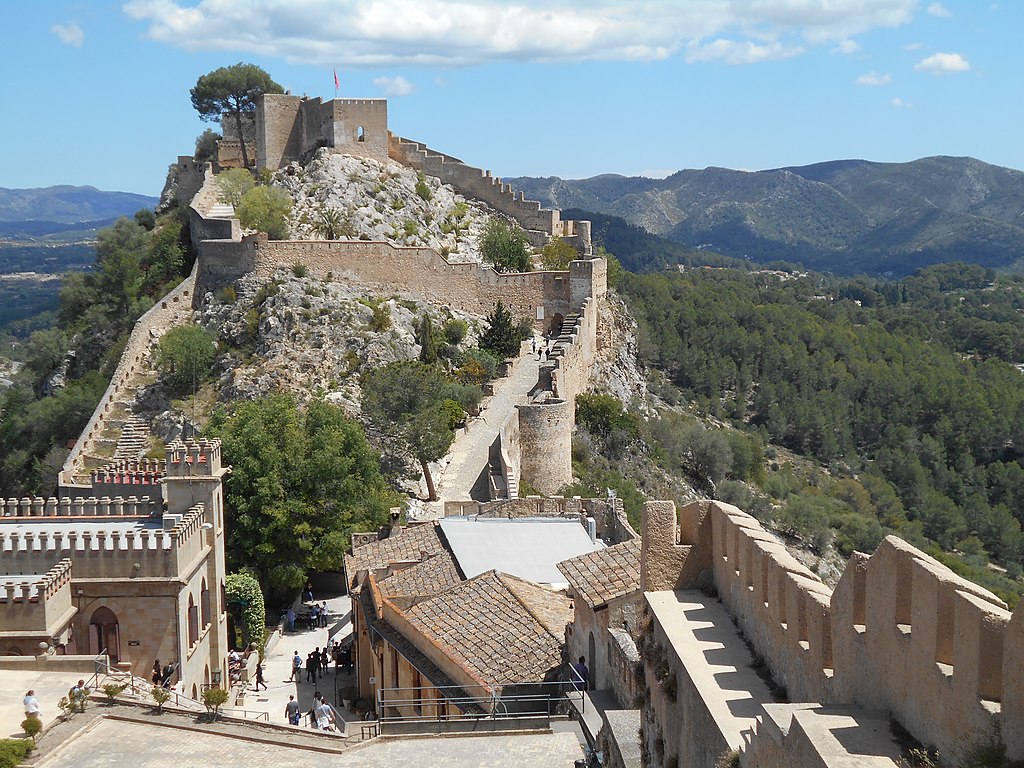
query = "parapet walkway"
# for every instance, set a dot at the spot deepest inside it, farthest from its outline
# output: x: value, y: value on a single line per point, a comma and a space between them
x: 469, y: 452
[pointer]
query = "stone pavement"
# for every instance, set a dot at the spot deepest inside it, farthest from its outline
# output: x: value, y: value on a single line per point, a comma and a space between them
x: 116, y: 744
x: 50, y: 687
x: 469, y: 452
x: 277, y: 664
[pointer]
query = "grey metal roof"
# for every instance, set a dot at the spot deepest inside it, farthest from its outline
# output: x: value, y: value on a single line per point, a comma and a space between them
x: 529, y: 548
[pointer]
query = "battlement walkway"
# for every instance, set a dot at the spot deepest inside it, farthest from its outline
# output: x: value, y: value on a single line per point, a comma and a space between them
x: 470, y: 452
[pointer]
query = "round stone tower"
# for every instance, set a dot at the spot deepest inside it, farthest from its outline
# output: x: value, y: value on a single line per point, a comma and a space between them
x: 545, y: 444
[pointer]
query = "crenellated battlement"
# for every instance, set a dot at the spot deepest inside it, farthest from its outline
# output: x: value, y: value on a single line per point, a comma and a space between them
x: 35, y: 589
x: 122, y: 477
x: 193, y: 457
x: 105, y: 506
x: 901, y: 632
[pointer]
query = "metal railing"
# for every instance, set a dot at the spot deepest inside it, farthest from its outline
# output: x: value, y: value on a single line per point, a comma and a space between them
x: 476, y: 707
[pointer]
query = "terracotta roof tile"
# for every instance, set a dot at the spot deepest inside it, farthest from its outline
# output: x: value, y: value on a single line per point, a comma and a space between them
x: 414, y: 543
x: 602, y: 576
x: 433, y: 575
x: 499, y: 628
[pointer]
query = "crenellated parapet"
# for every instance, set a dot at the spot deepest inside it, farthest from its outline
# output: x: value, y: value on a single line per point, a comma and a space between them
x: 105, y: 506
x: 193, y: 457
x: 539, y: 223
x: 900, y: 633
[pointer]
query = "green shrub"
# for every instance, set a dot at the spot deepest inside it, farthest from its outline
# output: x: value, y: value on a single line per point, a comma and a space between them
x: 233, y: 184
x: 454, y: 330
x: 161, y: 696
x: 32, y: 727
x: 113, y: 690
x: 14, y: 751
x: 214, y: 699
x: 422, y: 188
x: 299, y: 269
x: 244, y: 590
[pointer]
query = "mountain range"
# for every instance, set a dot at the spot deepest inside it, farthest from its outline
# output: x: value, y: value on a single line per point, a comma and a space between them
x: 64, y: 212
x: 845, y: 216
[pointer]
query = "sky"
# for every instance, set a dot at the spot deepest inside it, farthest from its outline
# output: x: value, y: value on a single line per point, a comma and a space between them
x: 98, y: 92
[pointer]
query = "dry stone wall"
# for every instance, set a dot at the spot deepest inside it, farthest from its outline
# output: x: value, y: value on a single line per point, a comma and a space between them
x: 900, y: 632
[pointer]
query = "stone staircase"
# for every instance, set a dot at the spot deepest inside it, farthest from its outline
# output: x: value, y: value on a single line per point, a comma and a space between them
x: 221, y: 211
x: 115, y: 432
x: 133, y: 440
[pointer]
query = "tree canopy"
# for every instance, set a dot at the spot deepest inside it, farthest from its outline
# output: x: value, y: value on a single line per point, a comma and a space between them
x: 406, y: 401
x: 183, y: 357
x: 503, y: 335
x: 506, y: 246
x: 301, y: 482
x: 232, y: 90
x: 265, y: 209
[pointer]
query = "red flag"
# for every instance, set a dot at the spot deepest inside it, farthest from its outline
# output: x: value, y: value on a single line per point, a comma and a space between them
x: 335, y: 79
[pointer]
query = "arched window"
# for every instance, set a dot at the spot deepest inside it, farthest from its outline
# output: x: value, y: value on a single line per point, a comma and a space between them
x: 104, y: 634
x: 204, y: 605
x: 193, y: 622
x: 360, y: 134
x: 223, y: 598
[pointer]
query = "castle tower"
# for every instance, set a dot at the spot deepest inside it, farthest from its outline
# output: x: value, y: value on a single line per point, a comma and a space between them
x: 195, y: 476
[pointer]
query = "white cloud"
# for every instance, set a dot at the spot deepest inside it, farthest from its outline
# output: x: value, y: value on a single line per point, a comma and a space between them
x: 938, y: 9
x: 69, y: 34
x: 394, y: 86
x: 741, y: 52
x: 900, y: 103
x: 846, y: 47
x: 943, y: 64
x: 381, y: 33
x: 873, y: 78
x: 913, y: 46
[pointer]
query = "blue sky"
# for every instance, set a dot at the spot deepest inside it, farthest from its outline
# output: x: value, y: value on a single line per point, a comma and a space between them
x: 97, y: 92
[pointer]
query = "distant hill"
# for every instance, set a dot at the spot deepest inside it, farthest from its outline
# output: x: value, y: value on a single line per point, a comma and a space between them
x: 847, y: 216
x: 68, y: 205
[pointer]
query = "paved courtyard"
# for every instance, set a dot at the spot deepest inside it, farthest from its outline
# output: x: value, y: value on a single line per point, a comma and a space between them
x: 114, y: 744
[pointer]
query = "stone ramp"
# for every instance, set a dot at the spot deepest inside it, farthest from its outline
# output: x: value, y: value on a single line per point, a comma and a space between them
x: 470, y: 453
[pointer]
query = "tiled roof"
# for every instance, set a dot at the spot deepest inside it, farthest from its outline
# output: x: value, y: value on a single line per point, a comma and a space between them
x: 499, y: 628
x: 600, y: 577
x: 434, y: 575
x: 414, y: 543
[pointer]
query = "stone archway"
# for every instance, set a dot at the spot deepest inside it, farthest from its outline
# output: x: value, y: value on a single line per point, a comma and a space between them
x: 555, y: 327
x: 104, y: 634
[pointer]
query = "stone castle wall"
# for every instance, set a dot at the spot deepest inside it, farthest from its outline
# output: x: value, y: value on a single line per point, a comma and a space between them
x: 900, y: 632
x: 288, y: 127
x: 480, y: 184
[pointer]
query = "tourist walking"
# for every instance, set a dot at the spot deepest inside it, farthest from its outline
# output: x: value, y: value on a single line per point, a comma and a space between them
x: 290, y: 613
x: 259, y: 677
x: 31, y: 706
x: 311, y: 666
x: 291, y: 711
x: 323, y: 614
x: 581, y: 675
x: 157, y: 673
x: 296, y: 667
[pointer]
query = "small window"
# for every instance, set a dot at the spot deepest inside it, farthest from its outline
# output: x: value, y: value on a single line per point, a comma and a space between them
x: 360, y: 134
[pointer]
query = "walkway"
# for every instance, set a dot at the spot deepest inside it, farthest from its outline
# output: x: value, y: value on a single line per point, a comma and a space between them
x: 469, y: 452
x: 120, y: 744
x: 277, y: 665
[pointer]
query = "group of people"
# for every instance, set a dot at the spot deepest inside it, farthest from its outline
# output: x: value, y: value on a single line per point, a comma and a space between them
x: 321, y: 716
x: 318, y: 662
x: 317, y: 616
x: 162, y: 676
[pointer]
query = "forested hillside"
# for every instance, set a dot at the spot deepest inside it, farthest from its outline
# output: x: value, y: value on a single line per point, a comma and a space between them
x: 847, y: 217
x: 905, y: 394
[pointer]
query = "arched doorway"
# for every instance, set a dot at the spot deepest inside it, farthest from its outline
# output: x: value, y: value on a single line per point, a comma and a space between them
x: 103, y: 634
x: 556, y: 325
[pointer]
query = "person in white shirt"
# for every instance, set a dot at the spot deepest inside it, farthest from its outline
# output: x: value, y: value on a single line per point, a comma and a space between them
x: 32, y: 706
